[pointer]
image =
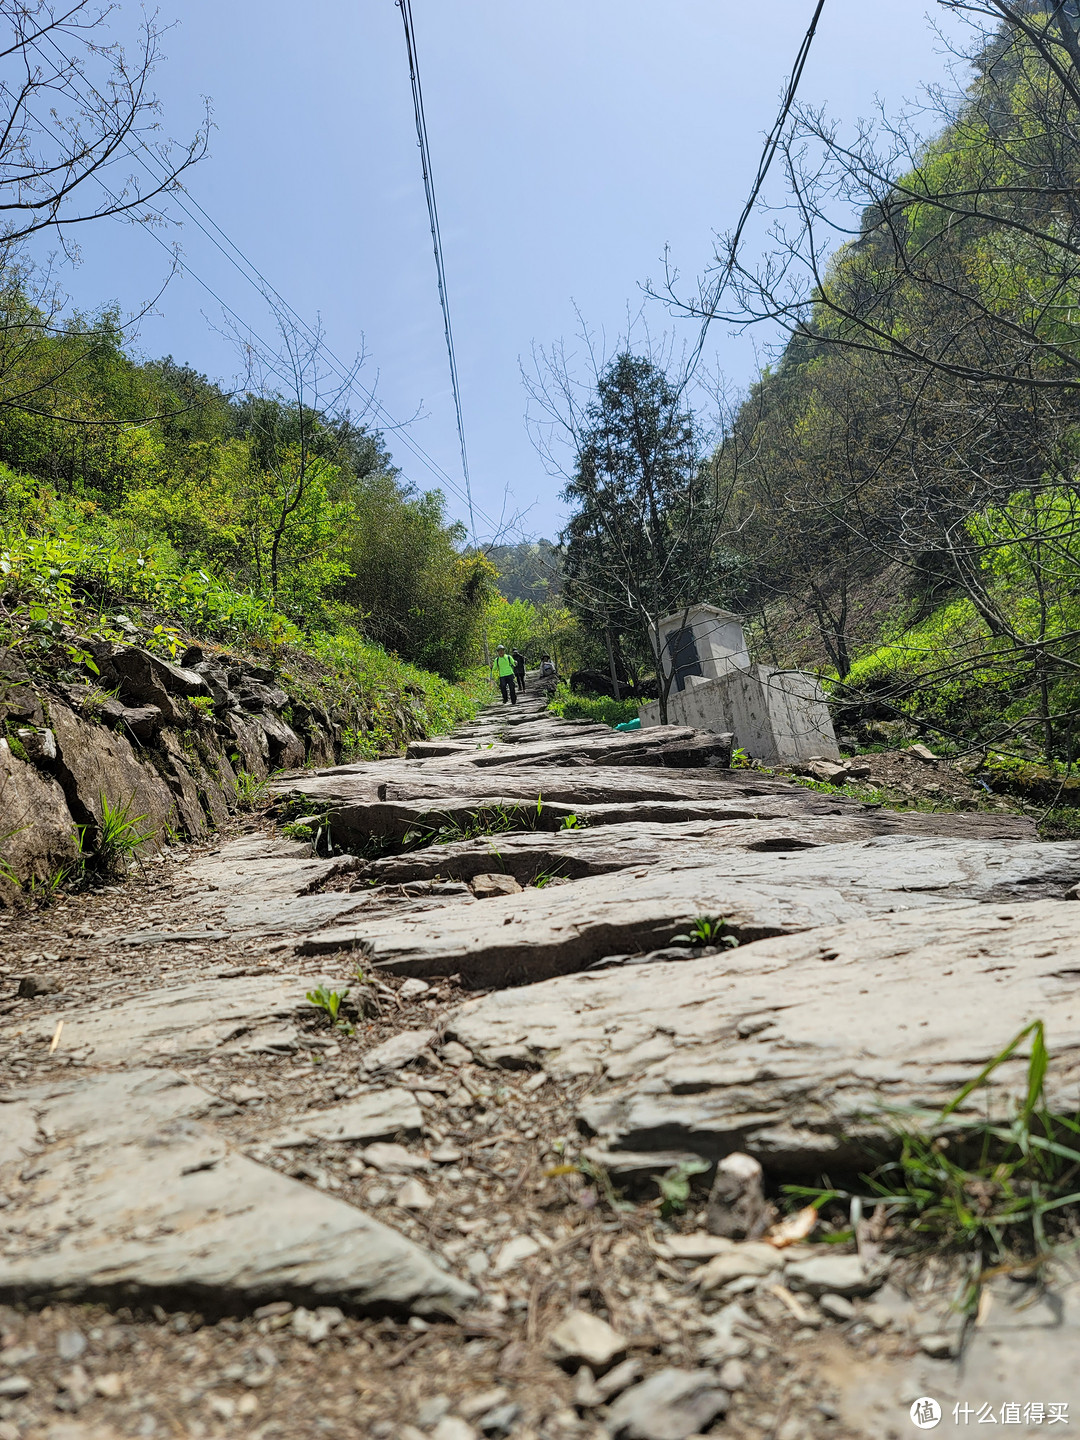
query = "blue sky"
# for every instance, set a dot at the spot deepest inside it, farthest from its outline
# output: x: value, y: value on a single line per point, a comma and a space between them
x: 572, y: 141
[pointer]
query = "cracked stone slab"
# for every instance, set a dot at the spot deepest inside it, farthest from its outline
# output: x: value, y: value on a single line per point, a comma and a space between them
x: 179, y: 1022
x: 268, y: 886
x: 541, y: 933
x: 390, y: 797
x: 131, y: 1194
x: 576, y: 853
x: 791, y: 1048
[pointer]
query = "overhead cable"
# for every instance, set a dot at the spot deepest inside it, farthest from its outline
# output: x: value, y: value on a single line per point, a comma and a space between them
x: 772, y: 144
x: 405, y: 6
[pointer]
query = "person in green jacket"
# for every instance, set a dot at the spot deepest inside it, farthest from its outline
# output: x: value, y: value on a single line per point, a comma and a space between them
x: 503, y: 670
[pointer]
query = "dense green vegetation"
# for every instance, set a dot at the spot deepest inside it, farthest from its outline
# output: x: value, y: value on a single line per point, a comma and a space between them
x: 904, y: 479
x: 141, y: 487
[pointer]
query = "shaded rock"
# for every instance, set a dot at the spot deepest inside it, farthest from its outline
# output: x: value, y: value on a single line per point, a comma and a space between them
x: 250, y: 743
x: 138, y: 1198
x: 737, y: 1206
x: 670, y: 1405
x: 584, y: 1339
x: 140, y: 721
x: 485, y: 886
x: 149, y: 678
x: 31, y: 986
x: 256, y: 696
x: 37, y: 833
x: 285, y: 748
x: 95, y: 764
x: 18, y: 698
x: 181, y: 782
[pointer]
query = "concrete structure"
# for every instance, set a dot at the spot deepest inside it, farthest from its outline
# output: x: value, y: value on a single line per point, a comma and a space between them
x: 702, y: 642
x: 774, y: 715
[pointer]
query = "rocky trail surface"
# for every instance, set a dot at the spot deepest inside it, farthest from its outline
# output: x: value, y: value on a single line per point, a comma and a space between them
x: 223, y: 1214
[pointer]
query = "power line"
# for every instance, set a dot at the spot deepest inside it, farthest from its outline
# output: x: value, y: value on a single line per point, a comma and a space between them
x: 243, y: 264
x: 772, y: 143
x: 405, y: 6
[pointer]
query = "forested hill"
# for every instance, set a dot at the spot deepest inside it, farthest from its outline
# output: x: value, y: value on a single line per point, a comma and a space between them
x: 253, y: 513
x: 904, y: 480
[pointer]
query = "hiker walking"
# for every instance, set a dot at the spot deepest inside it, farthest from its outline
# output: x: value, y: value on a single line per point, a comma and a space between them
x: 519, y: 668
x: 549, y: 676
x: 503, y: 669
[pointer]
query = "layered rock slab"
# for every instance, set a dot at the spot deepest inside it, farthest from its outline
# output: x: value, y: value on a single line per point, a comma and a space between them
x: 599, y: 849
x: 796, y: 1050
x: 268, y: 886
x: 130, y: 1196
x: 181, y: 1022
x: 391, y: 798
x: 540, y: 933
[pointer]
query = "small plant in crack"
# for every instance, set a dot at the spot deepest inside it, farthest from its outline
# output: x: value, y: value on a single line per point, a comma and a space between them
x: 251, y: 792
x: 706, y: 930
x: 675, y: 1186
x: 330, y: 1003
x: 545, y: 877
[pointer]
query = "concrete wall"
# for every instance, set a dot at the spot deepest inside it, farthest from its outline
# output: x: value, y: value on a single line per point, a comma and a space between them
x: 773, y: 714
x: 718, y: 636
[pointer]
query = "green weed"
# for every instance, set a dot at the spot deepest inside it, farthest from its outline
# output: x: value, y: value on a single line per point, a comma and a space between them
x: 573, y: 822
x: 329, y: 1001
x: 706, y: 930
x: 969, y: 1183
x: 675, y: 1186
x: 602, y: 710
x: 545, y: 877
x: 251, y: 793
x: 118, y: 835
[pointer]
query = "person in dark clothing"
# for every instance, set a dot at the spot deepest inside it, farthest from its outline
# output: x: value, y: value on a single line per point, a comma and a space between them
x: 503, y: 670
x: 519, y: 667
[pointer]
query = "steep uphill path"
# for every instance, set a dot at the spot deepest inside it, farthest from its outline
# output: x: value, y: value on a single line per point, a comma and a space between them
x: 224, y: 1214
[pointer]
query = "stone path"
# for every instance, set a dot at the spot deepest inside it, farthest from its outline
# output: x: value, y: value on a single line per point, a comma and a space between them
x: 246, y: 1220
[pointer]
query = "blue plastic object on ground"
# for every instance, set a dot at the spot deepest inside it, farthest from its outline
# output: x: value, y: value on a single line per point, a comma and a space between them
x: 634, y: 724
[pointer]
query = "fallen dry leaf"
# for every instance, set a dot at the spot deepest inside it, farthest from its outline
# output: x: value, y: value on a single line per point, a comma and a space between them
x: 792, y: 1229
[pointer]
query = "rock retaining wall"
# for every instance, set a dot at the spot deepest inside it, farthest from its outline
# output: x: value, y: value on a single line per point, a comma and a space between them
x: 166, y: 740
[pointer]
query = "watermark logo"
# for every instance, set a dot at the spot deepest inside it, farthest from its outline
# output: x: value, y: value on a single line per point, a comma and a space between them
x: 925, y: 1413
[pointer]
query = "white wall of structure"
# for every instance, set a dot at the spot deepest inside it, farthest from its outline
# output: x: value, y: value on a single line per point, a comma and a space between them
x: 774, y: 715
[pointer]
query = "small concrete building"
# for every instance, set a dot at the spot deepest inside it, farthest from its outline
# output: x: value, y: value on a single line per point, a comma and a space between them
x: 774, y: 715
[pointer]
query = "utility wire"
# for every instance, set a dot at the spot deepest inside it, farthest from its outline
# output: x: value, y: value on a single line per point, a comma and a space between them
x: 772, y: 144
x: 251, y: 273
x: 405, y: 6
